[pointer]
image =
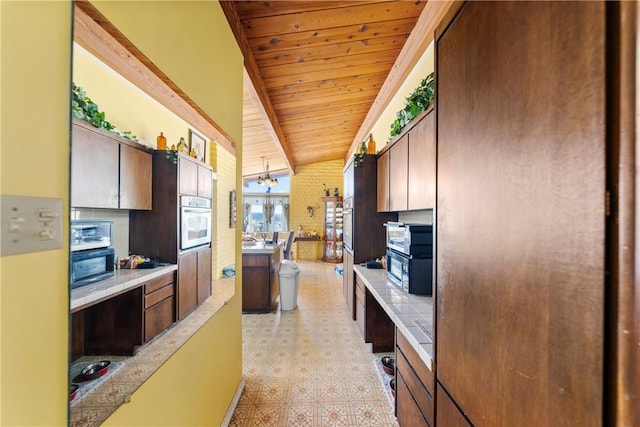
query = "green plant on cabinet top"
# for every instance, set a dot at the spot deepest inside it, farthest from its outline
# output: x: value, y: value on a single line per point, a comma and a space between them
x: 418, y: 101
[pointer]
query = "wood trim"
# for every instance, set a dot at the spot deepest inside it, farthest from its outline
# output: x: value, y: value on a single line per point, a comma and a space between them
x: 622, y: 361
x: 417, y: 42
x: 95, y: 33
x: 258, y: 89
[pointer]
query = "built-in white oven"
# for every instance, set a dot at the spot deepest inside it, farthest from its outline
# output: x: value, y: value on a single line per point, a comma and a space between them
x: 195, y: 222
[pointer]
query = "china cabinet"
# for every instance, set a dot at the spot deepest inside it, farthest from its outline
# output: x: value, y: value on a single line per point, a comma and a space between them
x: 332, y: 240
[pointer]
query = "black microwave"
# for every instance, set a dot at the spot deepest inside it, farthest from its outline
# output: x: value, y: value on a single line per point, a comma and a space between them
x: 411, y: 274
x: 91, y: 265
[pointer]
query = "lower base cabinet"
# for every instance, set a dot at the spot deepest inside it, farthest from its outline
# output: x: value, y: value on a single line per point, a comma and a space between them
x: 260, y: 282
x: 159, y: 306
x: 348, y: 290
x: 447, y: 413
x: 119, y: 325
x: 414, y: 386
x: 194, y: 280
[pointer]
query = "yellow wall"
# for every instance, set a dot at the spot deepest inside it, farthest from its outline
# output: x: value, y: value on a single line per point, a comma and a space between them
x: 306, y: 190
x: 34, y: 161
x: 140, y: 113
x: 34, y: 146
x: 382, y: 128
x: 225, y: 238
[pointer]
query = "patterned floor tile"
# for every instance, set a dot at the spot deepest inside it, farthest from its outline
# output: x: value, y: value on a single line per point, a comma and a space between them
x: 310, y: 366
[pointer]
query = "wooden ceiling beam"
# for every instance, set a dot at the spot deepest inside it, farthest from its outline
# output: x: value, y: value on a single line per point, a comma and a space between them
x: 97, y: 35
x: 259, y: 90
x: 420, y: 38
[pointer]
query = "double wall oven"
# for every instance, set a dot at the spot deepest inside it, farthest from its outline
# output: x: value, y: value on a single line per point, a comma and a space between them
x: 410, y: 256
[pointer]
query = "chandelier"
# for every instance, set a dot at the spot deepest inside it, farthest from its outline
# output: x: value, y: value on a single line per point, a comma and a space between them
x: 267, y: 179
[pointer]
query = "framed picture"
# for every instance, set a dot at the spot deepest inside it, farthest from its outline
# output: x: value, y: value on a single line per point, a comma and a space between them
x: 198, y: 144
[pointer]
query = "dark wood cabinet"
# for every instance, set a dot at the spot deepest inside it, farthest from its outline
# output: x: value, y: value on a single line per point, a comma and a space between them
x: 447, y: 413
x: 120, y: 324
x: 194, y: 265
x: 260, y: 282
x: 360, y: 301
x: 422, y: 164
x: 368, y: 235
x: 159, y: 305
x: 195, y: 178
x: 383, y: 183
x: 348, y: 282
x: 521, y: 213
x: 415, y: 394
x: 398, y: 178
x: 108, y: 171
x: 204, y: 273
x: 187, y: 283
x: 407, y: 167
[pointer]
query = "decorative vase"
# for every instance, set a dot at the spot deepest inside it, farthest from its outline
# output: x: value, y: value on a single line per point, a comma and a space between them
x: 161, y: 142
x: 336, y: 192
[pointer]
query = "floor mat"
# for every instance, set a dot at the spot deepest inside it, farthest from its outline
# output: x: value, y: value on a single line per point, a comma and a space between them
x: 384, y: 377
x: 87, y: 387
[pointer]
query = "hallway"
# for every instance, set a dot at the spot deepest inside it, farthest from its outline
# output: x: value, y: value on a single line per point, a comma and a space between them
x: 310, y: 366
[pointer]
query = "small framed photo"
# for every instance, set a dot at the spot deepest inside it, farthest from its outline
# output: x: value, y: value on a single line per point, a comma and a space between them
x: 198, y: 145
x: 232, y: 209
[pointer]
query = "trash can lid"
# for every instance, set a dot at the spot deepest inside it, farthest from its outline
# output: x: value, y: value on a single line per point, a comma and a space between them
x: 287, y: 266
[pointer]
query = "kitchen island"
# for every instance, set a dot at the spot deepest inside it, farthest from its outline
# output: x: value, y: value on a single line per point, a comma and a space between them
x: 260, y: 283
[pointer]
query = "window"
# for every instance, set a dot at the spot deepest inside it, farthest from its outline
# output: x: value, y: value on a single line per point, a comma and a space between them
x: 265, y: 213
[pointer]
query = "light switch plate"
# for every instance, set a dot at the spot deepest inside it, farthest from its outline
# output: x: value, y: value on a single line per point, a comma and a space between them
x: 29, y: 224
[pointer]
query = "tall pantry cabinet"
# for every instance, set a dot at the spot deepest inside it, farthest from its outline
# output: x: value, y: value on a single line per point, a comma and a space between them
x: 368, y: 235
x: 521, y: 214
x: 156, y: 233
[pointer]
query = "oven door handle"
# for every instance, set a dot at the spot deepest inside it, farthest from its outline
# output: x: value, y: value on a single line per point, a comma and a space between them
x: 196, y: 210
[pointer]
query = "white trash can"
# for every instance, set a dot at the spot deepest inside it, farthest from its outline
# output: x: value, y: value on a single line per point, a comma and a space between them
x: 289, y: 274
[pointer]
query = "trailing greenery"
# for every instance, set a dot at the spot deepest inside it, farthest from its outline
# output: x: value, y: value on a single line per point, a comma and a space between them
x: 418, y: 101
x: 83, y: 108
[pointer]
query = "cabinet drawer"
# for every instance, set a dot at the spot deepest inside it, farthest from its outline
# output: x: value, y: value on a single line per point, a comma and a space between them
x: 408, y: 412
x: 157, y: 283
x: 158, y: 318
x: 157, y: 296
x: 422, y: 397
x: 424, y: 374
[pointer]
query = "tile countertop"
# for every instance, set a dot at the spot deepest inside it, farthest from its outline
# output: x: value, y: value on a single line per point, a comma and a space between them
x: 123, y: 280
x: 412, y: 314
x: 260, y: 248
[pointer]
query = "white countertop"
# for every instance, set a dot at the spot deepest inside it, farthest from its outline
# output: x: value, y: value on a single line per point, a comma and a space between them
x: 260, y: 248
x: 403, y: 309
x: 124, y: 279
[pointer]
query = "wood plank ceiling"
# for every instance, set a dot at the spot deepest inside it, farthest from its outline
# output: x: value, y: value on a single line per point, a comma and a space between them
x: 315, y: 68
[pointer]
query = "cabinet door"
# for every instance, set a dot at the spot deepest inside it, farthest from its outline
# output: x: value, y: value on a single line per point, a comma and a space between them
x: 447, y: 413
x: 188, y: 176
x: 205, y: 184
x: 204, y: 274
x: 158, y: 317
x: 422, y: 164
x: 94, y: 170
x: 398, y: 174
x: 347, y: 283
x: 382, y: 202
x: 521, y: 213
x: 187, y: 283
x: 408, y: 412
x: 135, y: 178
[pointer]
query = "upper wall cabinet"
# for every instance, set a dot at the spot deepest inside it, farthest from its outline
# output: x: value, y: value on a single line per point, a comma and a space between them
x: 407, y: 168
x: 107, y: 171
x: 195, y: 178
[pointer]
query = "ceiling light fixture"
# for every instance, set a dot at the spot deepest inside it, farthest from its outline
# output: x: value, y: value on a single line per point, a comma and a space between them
x: 266, y: 179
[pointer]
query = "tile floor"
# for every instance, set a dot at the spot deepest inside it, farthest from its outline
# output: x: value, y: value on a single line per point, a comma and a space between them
x: 310, y: 366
